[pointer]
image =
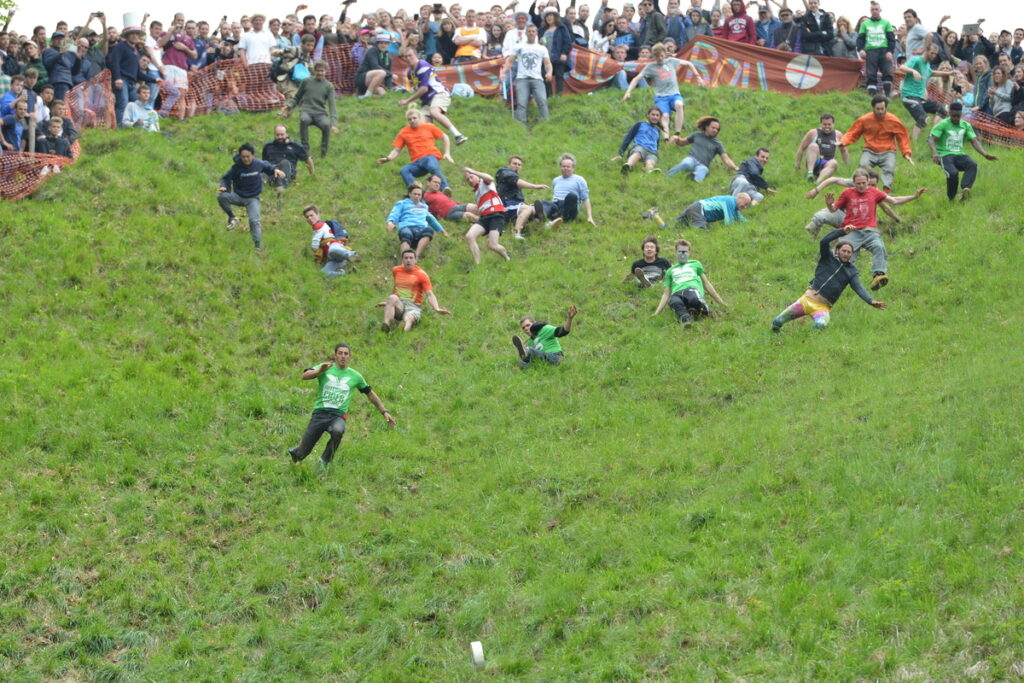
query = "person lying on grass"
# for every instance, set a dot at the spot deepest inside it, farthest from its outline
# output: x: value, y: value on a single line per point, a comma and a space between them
x: 542, y: 339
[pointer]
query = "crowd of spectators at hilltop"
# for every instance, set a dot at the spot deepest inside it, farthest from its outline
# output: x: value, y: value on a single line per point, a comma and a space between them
x: 40, y: 67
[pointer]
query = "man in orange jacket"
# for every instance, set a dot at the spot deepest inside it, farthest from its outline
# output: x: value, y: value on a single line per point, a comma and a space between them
x: 882, y: 133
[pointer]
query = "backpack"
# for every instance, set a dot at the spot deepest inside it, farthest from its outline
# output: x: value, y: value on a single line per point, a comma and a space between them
x: 338, y: 229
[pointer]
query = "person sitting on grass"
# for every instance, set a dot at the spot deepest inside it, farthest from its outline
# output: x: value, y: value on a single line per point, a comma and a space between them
x: 443, y: 207
x: 685, y: 284
x: 819, y: 146
x: 568, y: 191
x: 329, y: 243
x: 286, y: 154
x: 411, y: 218
x: 835, y: 271
x: 424, y: 157
x: 650, y: 268
x: 664, y: 74
x: 335, y: 380
x: 242, y: 186
x: 140, y: 113
x: 542, y: 339
x: 705, y: 148
x: 510, y: 189
x: 703, y: 212
x: 491, y: 211
x: 835, y: 218
x: 749, y: 178
x: 860, y: 203
x: 645, y: 137
x: 405, y: 302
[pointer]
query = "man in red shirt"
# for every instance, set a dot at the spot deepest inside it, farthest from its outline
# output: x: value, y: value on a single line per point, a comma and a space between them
x: 424, y: 157
x: 882, y: 132
x: 443, y: 207
x: 740, y: 27
x: 860, y: 203
x: 412, y: 284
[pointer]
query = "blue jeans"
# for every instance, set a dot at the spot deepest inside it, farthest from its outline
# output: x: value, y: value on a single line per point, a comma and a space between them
x: 252, y: 208
x: 122, y: 96
x: 690, y: 165
x: 622, y: 81
x: 423, y: 166
x: 337, y: 259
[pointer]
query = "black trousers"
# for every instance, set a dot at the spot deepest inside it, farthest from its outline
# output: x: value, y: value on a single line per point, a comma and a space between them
x: 319, y: 423
x: 954, y: 165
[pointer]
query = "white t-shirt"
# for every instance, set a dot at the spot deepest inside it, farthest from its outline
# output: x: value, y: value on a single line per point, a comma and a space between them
x: 513, y: 37
x: 155, y: 52
x: 530, y: 60
x: 257, y: 46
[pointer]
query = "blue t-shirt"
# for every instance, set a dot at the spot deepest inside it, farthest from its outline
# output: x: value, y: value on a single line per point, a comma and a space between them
x: 560, y: 187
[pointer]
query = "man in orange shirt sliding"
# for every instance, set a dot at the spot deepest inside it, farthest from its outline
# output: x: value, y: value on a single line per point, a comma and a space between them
x: 882, y: 132
x: 405, y: 302
x: 424, y: 157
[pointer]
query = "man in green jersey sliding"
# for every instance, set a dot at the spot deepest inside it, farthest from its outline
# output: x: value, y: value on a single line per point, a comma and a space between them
x: 336, y: 381
x: 542, y: 339
x: 685, y: 283
x: 947, y: 143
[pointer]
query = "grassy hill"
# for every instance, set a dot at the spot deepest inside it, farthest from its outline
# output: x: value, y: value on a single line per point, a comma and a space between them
x: 711, y: 503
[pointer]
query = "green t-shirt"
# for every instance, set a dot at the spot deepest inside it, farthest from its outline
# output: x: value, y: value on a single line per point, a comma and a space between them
x: 685, y: 275
x: 545, y: 340
x: 915, y: 87
x: 874, y: 33
x: 336, y: 387
x: 950, y: 137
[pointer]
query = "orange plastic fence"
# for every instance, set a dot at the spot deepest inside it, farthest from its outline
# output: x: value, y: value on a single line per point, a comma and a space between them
x: 231, y: 86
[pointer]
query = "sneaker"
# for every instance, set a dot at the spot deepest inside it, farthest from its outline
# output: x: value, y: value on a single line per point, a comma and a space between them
x: 363, y: 96
x: 279, y: 189
x: 459, y: 139
x: 776, y: 327
x: 810, y: 177
x: 355, y: 257
x: 519, y: 236
x: 538, y: 210
x: 641, y: 277
x: 650, y: 213
x: 813, y: 230
x: 965, y: 194
x: 295, y: 456
x: 520, y: 349
x: 447, y: 191
x: 553, y: 223
x: 654, y: 170
x: 880, y: 280
x: 232, y: 222
x: 625, y: 169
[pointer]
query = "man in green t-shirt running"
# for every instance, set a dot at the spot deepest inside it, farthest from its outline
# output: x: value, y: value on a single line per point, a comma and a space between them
x: 918, y: 70
x: 336, y: 382
x: 685, y: 283
x: 542, y: 339
x: 947, y: 143
x: 876, y: 40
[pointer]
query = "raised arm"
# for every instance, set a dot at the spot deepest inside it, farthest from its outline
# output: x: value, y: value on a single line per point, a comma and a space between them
x: 568, y: 319
x: 313, y: 373
x: 487, y: 178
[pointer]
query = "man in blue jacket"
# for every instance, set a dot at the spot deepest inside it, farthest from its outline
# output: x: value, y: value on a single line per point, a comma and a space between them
x: 123, y: 62
x: 61, y: 66
x: 242, y: 185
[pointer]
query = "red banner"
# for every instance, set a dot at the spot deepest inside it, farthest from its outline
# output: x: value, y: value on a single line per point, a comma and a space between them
x: 724, y: 62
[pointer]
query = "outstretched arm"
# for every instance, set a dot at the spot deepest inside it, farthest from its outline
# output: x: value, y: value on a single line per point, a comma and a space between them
x: 807, y: 139
x: 711, y: 289
x: 896, y: 201
x: 432, y: 300
x: 812, y: 193
x: 379, y: 405
x: 980, y: 149
x: 729, y: 162
x: 313, y: 373
x: 664, y: 300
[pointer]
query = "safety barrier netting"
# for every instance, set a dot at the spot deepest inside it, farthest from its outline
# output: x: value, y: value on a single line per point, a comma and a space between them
x: 988, y: 128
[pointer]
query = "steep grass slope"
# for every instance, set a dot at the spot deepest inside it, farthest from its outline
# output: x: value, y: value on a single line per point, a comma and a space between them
x: 713, y: 503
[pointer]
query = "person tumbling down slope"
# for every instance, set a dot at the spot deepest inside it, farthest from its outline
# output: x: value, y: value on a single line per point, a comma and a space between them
x: 685, y: 283
x: 336, y: 382
x: 703, y: 212
x: 835, y: 271
x: 542, y: 339
x: 404, y: 304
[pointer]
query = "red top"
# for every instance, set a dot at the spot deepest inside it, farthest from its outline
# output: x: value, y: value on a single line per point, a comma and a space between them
x: 741, y: 28
x: 438, y: 203
x: 860, y: 208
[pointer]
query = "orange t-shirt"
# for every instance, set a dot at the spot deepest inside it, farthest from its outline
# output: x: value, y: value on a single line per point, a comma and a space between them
x: 419, y: 140
x: 411, y: 284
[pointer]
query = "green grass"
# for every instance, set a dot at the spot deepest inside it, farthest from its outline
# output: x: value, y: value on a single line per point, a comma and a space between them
x: 717, y: 503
